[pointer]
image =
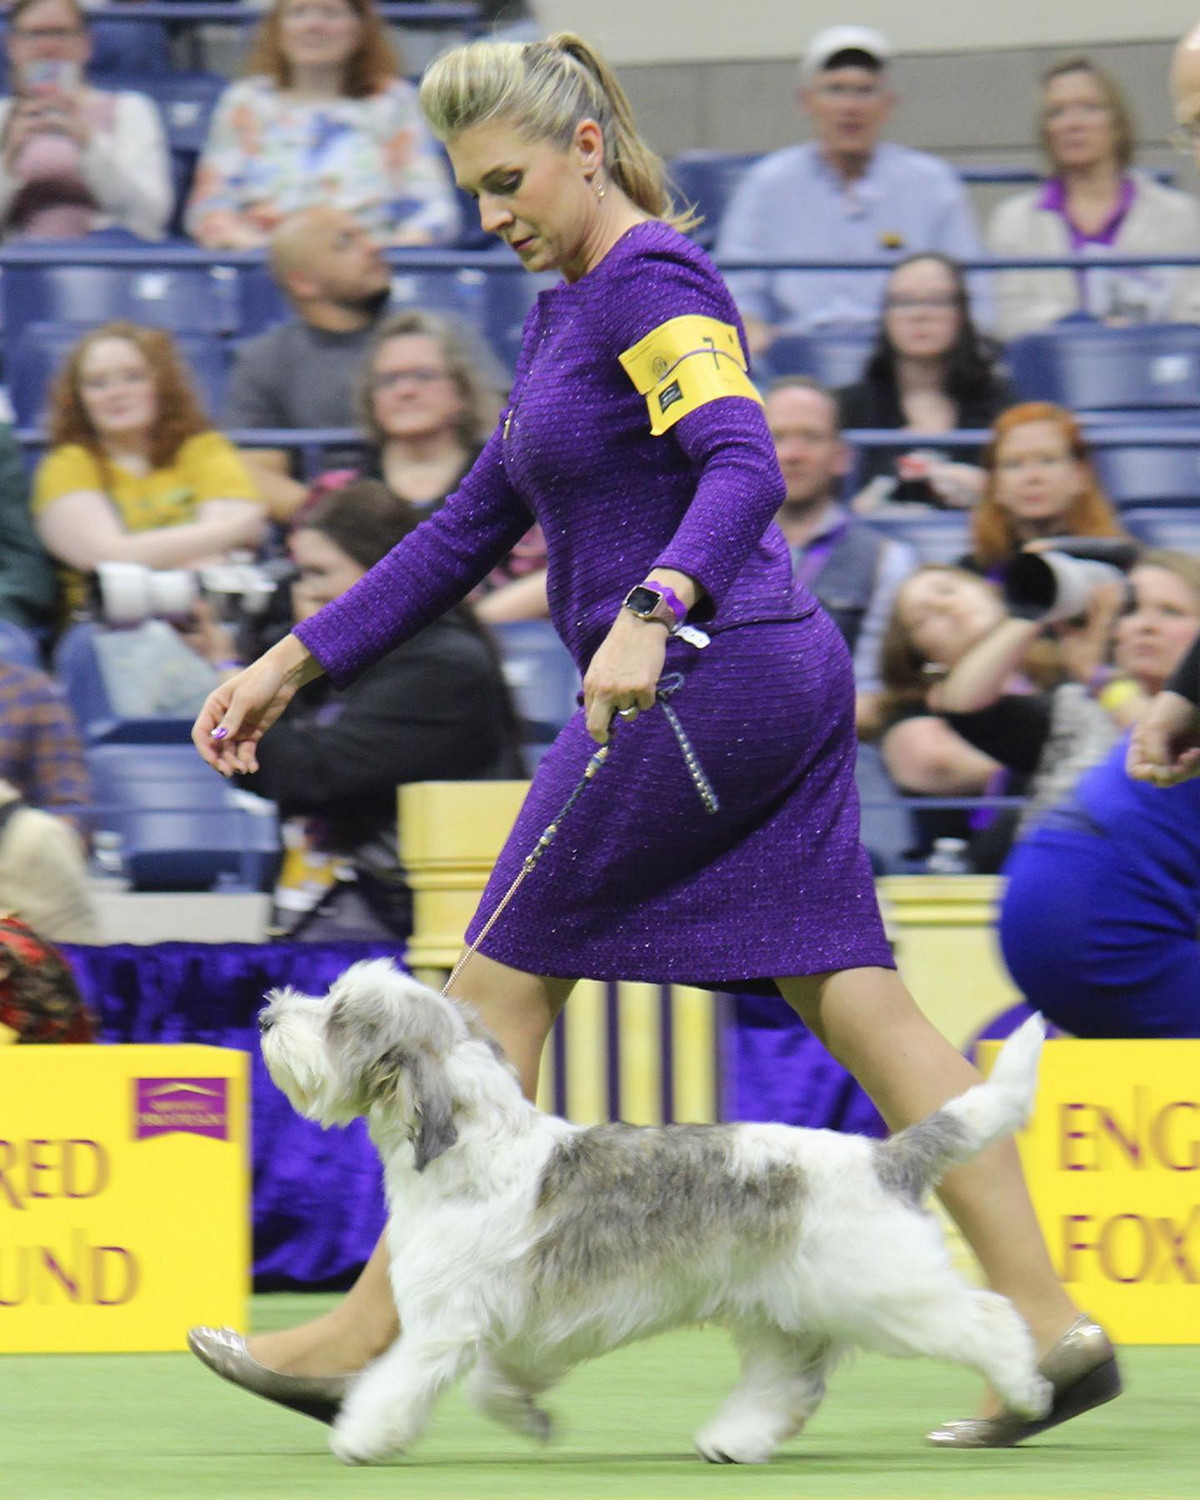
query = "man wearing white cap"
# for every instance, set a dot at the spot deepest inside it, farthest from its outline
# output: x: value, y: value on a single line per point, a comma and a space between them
x: 843, y: 196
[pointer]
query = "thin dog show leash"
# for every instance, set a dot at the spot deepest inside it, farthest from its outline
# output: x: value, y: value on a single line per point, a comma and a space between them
x: 668, y: 686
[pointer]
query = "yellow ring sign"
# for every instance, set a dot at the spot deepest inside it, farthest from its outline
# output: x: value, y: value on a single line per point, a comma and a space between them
x: 1112, y: 1157
x: 124, y: 1196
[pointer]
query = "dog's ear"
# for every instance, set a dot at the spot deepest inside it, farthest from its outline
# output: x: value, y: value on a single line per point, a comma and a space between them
x: 429, y: 1102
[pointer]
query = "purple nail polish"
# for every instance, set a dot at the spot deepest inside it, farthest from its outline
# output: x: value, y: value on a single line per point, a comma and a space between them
x: 219, y: 733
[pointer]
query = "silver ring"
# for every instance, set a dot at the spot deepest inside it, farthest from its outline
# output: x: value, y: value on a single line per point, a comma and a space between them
x: 628, y: 713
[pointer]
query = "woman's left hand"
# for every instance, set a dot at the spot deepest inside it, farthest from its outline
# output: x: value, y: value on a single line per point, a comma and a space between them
x: 623, y: 675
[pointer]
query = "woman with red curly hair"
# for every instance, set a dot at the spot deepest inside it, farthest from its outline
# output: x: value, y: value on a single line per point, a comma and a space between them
x: 1039, y: 482
x: 135, y: 472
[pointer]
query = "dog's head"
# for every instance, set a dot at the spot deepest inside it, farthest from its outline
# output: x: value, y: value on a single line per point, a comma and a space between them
x: 377, y: 1040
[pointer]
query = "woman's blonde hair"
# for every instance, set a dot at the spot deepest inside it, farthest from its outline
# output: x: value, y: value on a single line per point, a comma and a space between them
x: 476, y: 374
x: 370, y: 67
x: 546, y: 89
x: 180, y: 414
x: 994, y: 531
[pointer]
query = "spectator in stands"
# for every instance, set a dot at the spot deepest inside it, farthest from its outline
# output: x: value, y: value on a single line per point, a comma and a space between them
x: 40, y: 753
x: 853, y: 570
x: 1102, y: 903
x: 1094, y: 202
x: 430, y: 395
x: 931, y: 372
x: 43, y: 875
x: 1039, y: 482
x: 27, y: 584
x: 134, y: 472
x: 962, y: 717
x: 74, y: 160
x: 845, y: 196
x: 434, y: 708
x: 301, y: 373
x: 324, y: 117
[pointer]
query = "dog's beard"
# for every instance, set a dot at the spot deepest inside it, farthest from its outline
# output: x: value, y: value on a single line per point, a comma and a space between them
x: 298, y: 1063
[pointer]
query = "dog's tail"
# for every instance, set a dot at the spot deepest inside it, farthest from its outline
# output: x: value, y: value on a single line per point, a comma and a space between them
x: 913, y: 1160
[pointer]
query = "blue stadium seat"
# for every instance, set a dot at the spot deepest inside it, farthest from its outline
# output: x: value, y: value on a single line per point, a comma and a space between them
x: 76, y: 667
x: 260, y: 303
x: 543, y: 679
x: 1147, y: 368
x: 34, y: 355
x: 1175, y: 527
x: 183, y: 299
x: 1149, y: 474
x: 18, y: 647
x: 180, y: 825
x: 889, y: 829
x: 707, y: 179
x: 937, y: 536
x: 835, y: 357
x: 508, y: 298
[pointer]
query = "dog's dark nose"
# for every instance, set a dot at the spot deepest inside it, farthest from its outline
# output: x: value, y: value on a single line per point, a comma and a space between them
x: 265, y: 1021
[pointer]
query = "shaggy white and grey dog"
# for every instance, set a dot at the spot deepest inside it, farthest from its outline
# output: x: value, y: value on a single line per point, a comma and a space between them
x: 522, y: 1244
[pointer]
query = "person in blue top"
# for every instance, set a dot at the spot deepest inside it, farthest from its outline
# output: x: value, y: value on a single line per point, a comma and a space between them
x: 1099, y: 921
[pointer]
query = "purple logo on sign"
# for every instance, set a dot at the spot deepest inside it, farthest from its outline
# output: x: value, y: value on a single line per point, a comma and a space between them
x: 197, y: 1106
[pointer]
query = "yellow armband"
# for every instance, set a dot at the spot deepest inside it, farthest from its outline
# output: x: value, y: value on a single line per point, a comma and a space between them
x: 685, y: 363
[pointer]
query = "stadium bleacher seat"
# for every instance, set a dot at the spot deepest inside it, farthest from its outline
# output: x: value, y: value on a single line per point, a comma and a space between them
x: 17, y: 646
x: 1143, y: 369
x: 937, y: 536
x: 835, y: 357
x: 1149, y: 473
x: 543, y: 680
x: 706, y: 180
x: 183, y: 299
x: 889, y: 829
x: 76, y: 666
x: 34, y: 355
x: 180, y: 825
x: 1168, y: 526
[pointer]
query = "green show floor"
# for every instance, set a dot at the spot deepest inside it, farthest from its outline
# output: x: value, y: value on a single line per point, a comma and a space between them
x: 120, y: 1427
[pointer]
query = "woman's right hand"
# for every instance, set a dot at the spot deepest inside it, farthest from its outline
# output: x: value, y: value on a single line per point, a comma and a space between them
x: 238, y: 712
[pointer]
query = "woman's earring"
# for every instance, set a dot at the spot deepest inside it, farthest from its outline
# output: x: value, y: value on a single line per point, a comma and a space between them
x: 599, y: 186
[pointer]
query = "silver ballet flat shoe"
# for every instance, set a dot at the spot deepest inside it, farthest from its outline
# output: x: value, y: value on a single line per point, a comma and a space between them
x: 226, y: 1354
x: 1082, y: 1368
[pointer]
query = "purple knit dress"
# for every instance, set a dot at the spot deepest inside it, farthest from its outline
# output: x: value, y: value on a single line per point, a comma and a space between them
x: 641, y: 882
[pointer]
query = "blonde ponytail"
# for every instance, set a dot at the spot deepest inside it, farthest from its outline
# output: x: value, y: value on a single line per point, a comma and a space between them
x: 546, y: 89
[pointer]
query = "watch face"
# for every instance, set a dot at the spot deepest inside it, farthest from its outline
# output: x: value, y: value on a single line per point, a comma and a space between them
x: 643, y: 601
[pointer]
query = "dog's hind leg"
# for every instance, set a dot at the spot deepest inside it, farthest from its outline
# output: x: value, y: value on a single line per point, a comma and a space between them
x: 506, y: 1395
x: 979, y: 1329
x: 388, y: 1406
x: 783, y: 1381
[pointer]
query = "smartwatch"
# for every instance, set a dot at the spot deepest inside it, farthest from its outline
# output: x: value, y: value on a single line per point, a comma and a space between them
x: 655, y: 603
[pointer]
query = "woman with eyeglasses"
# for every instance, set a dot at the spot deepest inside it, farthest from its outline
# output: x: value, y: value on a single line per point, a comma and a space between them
x: 74, y: 160
x: 930, y: 372
x: 323, y: 116
x: 430, y: 395
x: 1094, y: 203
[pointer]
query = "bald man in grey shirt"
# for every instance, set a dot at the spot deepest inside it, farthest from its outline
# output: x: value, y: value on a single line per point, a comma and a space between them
x: 304, y: 373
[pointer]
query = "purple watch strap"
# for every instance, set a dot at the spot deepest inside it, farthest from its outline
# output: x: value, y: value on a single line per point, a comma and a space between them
x: 678, y: 607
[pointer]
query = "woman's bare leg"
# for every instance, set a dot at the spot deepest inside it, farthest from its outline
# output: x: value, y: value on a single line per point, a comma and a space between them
x: 519, y: 1010
x: 872, y: 1025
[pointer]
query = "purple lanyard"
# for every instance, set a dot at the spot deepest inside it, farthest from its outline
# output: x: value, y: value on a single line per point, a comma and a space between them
x: 810, y: 561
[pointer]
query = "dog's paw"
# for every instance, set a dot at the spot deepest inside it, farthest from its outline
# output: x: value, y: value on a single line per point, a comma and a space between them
x: 725, y: 1444
x: 539, y: 1425
x: 356, y: 1445
x: 1036, y: 1400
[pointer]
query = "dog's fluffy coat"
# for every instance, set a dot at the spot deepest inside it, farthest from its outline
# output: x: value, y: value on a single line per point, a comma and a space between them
x: 522, y: 1244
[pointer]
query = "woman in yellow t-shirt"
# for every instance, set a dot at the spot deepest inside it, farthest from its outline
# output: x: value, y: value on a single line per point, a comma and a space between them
x: 135, y: 472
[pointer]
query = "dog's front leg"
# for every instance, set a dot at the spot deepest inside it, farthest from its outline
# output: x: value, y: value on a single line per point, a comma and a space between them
x: 389, y: 1405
